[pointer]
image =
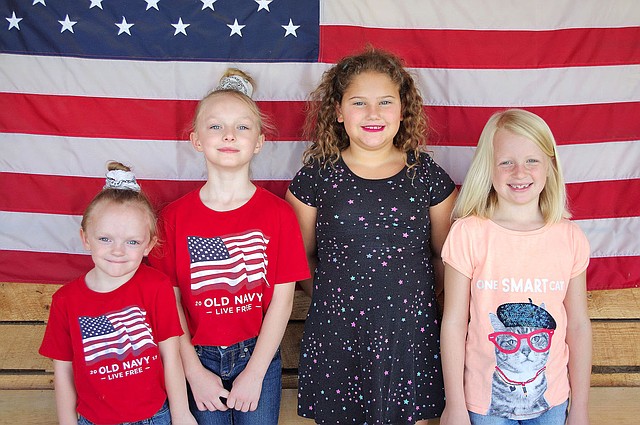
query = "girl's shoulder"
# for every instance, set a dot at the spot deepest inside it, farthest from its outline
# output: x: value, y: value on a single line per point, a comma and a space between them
x: 146, y: 274
x: 572, y: 229
x: 431, y: 174
x: 471, y: 223
x: 265, y: 195
x: 570, y: 225
x: 316, y: 167
x: 185, y: 202
x: 425, y: 163
x: 186, y: 198
x: 315, y: 174
x: 271, y: 201
x: 70, y: 291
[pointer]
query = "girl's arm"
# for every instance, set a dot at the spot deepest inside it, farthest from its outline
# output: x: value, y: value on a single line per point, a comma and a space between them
x: 440, y: 217
x: 65, y: 391
x: 245, y: 394
x: 579, y: 342
x: 175, y: 382
x: 206, y: 386
x: 307, y: 219
x: 453, y: 336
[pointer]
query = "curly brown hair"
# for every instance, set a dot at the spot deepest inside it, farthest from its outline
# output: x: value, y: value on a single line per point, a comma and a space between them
x: 329, y: 138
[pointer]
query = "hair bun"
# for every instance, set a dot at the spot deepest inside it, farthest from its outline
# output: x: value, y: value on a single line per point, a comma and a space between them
x: 121, y: 177
x: 236, y: 82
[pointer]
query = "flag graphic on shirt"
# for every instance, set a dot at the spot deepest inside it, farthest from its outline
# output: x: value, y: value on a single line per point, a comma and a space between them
x: 115, y: 335
x: 231, y: 262
x: 86, y: 82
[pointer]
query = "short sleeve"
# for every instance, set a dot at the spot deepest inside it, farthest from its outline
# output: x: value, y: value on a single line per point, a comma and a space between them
x: 292, y: 262
x: 439, y: 183
x: 166, y: 312
x: 457, y: 248
x: 581, y: 249
x: 56, y: 343
x: 304, y: 185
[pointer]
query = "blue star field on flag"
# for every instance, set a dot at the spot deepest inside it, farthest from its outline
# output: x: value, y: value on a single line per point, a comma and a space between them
x: 207, y: 30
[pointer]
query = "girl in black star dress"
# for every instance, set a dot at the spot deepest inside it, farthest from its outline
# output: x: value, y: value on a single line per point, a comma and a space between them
x: 374, y: 210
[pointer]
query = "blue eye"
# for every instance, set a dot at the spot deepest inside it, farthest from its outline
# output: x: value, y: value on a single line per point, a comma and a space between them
x: 358, y: 103
x: 215, y: 126
x: 133, y: 243
x: 103, y: 239
x: 243, y: 127
x: 385, y: 102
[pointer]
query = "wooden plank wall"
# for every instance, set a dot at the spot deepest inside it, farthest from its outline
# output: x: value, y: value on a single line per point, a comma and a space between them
x: 24, y: 309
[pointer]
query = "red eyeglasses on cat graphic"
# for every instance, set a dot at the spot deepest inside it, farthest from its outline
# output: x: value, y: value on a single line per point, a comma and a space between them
x: 509, y: 342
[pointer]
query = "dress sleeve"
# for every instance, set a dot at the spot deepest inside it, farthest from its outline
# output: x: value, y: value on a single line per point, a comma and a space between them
x: 439, y: 182
x: 304, y: 185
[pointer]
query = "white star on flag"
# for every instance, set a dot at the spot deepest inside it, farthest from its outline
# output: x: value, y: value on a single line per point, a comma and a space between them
x: 67, y: 24
x: 236, y: 28
x: 14, y: 21
x: 180, y: 27
x: 152, y: 3
x: 38, y: 1
x: 263, y: 4
x: 124, y: 26
x: 290, y: 29
x: 208, y: 3
x: 96, y: 3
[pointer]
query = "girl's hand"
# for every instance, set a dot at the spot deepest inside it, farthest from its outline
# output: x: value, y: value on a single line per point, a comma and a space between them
x: 455, y: 417
x: 183, y: 418
x: 207, y: 389
x: 245, y: 393
x: 578, y: 417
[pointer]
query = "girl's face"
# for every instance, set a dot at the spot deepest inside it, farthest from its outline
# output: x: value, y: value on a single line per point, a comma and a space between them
x: 520, y: 169
x: 118, y: 237
x: 227, y: 131
x: 371, y: 111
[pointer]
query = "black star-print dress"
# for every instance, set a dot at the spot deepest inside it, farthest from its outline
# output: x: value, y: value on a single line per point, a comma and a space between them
x: 370, y: 351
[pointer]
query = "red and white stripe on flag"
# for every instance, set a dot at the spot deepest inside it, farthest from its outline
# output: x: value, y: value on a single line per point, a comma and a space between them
x: 575, y: 63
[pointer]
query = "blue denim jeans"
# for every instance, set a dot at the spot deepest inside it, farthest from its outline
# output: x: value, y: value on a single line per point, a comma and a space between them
x: 162, y: 417
x: 227, y: 363
x: 555, y: 416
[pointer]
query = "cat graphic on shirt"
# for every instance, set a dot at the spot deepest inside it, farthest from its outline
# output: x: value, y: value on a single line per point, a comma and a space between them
x: 522, y: 339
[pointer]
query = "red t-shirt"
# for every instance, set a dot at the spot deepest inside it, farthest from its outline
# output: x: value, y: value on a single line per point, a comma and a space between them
x: 227, y: 263
x: 112, y: 340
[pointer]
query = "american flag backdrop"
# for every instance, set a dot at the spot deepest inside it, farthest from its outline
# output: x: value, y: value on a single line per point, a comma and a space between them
x: 228, y: 262
x: 87, y: 81
x: 115, y: 335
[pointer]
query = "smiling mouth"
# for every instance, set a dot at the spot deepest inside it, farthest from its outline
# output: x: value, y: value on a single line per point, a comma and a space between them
x: 373, y: 127
x: 520, y: 186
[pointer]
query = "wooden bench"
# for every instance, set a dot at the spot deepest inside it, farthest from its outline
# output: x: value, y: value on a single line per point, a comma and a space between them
x: 26, y: 378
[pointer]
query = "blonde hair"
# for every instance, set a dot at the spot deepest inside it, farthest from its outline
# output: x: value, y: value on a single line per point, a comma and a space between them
x: 329, y: 138
x: 477, y: 196
x: 264, y: 122
x: 137, y: 199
